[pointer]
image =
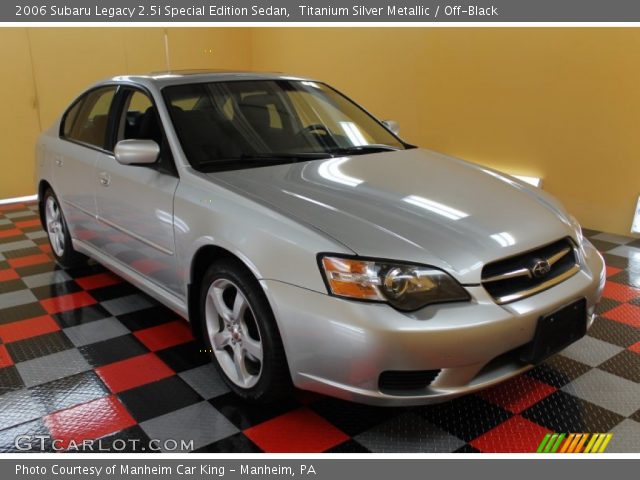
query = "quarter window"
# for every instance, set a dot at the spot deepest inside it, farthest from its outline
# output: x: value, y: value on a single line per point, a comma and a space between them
x: 87, y: 120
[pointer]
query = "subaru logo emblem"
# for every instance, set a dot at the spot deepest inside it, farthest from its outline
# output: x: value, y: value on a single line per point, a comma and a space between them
x: 540, y: 268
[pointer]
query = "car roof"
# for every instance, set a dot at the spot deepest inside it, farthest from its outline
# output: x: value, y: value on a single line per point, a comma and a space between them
x: 180, y: 77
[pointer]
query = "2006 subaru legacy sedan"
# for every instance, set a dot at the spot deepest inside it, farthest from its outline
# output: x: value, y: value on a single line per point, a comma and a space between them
x: 307, y: 243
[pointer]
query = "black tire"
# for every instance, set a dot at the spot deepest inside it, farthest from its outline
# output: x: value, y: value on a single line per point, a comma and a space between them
x: 274, y: 382
x: 67, y: 257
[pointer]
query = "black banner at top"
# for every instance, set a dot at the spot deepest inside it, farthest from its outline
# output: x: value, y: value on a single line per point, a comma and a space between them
x: 289, y: 11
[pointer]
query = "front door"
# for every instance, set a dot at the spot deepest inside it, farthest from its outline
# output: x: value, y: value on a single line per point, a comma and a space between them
x: 135, y: 203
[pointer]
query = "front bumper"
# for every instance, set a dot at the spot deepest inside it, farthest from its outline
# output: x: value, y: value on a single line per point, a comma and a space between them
x: 339, y: 347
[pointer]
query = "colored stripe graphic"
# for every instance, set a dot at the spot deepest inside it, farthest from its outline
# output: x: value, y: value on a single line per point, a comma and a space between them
x: 574, y: 443
x: 605, y: 442
x: 543, y: 443
x: 581, y: 443
x: 550, y: 443
x: 567, y: 442
x: 592, y: 442
x: 558, y: 442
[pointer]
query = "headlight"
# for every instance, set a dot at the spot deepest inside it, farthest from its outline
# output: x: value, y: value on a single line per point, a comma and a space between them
x: 403, y: 286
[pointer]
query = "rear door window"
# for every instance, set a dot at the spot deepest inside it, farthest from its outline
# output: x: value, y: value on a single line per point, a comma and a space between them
x: 87, y: 120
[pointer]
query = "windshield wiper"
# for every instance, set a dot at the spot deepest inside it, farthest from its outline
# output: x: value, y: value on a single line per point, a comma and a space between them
x: 249, y: 160
x: 370, y: 148
x: 285, y: 156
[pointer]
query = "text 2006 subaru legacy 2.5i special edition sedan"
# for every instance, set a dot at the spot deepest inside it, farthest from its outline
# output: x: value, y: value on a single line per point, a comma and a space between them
x: 307, y: 243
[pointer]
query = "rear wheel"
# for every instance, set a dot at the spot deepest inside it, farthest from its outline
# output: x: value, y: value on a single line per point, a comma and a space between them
x: 240, y: 331
x: 58, y: 233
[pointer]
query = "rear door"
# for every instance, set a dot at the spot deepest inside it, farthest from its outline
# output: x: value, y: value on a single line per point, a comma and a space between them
x: 135, y: 203
x: 83, y: 130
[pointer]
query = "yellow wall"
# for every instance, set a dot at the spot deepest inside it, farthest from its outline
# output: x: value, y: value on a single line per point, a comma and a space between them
x: 19, y: 125
x: 48, y: 67
x: 560, y: 103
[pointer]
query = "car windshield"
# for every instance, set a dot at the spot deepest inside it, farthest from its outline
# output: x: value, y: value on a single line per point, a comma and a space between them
x: 244, y: 124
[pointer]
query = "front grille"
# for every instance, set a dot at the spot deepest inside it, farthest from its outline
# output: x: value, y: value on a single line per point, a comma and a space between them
x: 395, y: 381
x: 526, y: 274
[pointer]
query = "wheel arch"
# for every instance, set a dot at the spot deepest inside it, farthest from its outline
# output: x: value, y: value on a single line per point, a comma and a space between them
x: 204, y: 256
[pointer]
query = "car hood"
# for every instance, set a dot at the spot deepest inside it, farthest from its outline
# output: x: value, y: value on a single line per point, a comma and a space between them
x: 412, y: 205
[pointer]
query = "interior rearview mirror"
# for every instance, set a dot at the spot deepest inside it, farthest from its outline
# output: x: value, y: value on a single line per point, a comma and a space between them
x: 392, y: 125
x: 136, y: 152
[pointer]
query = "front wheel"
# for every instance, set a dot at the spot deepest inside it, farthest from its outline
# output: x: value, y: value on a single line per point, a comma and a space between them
x: 240, y: 330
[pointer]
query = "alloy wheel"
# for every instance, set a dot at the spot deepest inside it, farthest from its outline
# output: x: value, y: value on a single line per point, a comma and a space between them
x: 233, y: 333
x: 55, y: 225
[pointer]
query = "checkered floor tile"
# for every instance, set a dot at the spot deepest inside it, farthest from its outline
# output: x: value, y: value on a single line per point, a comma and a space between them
x: 84, y: 355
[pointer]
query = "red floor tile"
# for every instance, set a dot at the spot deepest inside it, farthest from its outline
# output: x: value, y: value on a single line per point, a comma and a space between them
x: 299, y: 431
x: 625, y: 313
x: 32, y: 327
x: 620, y: 292
x: 5, y: 358
x: 10, y: 232
x: 165, y: 335
x: 612, y: 271
x: 8, y: 274
x: 518, y: 394
x: 516, y: 435
x: 90, y: 420
x: 133, y: 372
x: 12, y: 206
x: 70, y: 301
x: 635, y: 347
x: 36, y: 259
x: 98, y: 280
x: 45, y: 247
x: 35, y: 222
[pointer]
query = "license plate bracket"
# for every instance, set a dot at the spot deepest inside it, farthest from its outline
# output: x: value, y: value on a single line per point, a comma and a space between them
x: 556, y: 331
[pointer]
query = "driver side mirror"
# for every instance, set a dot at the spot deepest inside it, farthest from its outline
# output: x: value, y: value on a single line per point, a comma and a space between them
x: 392, y: 125
x: 136, y: 152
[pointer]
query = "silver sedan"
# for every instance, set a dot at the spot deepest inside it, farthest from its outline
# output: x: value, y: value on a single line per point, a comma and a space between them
x: 307, y: 243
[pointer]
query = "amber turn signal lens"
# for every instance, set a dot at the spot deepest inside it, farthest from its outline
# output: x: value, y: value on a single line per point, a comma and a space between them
x: 352, y: 278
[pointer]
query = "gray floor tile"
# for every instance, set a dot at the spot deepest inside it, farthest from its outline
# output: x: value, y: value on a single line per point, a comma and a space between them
x: 5, y: 221
x: 19, y: 407
x: 52, y: 367
x: 36, y: 234
x: 47, y: 278
x: 19, y: 214
x: 408, y: 433
x: 607, y: 391
x: 626, y: 437
x: 610, y: 237
x: 5, y: 247
x: 200, y: 422
x: 206, y: 381
x: 127, y: 304
x: 591, y: 351
x: 626, y: 251
x: 1, y: 257
x: 19, y: 297
x: 97, y: 331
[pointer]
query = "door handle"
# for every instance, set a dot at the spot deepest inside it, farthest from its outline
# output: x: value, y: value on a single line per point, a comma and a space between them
x: 59, y: 161
x: 105, y: 179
